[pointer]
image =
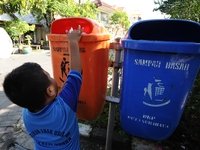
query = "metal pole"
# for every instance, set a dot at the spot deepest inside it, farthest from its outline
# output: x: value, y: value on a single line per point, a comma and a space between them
x: 112, y: 105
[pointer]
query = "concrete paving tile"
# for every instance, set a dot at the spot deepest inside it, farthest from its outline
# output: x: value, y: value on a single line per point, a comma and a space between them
x: 19, y: 134
x: 12, y: 111
x: 3, y: 118
x: 7, y: 136
x: 9, y: 129
x: 19, y: 111
x: 29, y: 144
x: 22, y: 139
x: 16, y: 117
x: 2, y: 129
x: 2, y: 99
x: 6, y: 105
x: 8, y: 123
x: 1, y: 145
x: 4, y: 112
x: 12, y: 106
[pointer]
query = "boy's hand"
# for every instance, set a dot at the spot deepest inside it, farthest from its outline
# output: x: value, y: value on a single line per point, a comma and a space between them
x: 75, y: 35
x: 74, y: 57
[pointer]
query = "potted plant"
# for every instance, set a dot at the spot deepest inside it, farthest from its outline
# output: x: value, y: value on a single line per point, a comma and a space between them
x: 27, y: 48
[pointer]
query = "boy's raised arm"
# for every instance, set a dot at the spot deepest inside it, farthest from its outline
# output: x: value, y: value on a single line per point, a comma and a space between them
x: 74, y: 58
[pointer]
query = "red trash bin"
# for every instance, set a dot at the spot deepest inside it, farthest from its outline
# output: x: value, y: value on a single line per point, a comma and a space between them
x: 94, y: 49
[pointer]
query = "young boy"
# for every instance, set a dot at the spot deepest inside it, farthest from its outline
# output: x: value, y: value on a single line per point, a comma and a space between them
x: 50, y: 119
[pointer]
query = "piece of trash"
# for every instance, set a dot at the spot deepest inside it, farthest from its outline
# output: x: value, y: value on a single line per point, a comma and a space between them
x: 71, y: 29
x: 84, y: 129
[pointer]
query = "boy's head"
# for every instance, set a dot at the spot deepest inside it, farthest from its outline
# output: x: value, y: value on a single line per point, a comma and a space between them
x: 29, y: 86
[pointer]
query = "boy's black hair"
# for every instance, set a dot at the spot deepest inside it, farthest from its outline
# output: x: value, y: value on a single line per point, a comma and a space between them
x: 26, y: 86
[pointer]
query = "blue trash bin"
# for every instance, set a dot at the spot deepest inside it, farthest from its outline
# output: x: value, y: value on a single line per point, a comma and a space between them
x: 161, y: 61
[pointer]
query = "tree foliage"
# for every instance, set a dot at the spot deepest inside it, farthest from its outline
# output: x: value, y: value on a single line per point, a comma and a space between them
x: 87, y: 9
x: 182, y: 9
x: 45, y: 11
x: 16, y: 28
x: 12, y: 6
x: 120, y: 18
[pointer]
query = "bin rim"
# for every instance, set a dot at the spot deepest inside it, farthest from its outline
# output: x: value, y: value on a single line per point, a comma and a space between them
x: 84, y: 38
x: 161, y: 46
x: 177, y: 30
x: 165, y: 20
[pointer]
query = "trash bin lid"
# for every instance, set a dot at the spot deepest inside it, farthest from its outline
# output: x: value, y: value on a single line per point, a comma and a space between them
x: 60, y: 26
x: 175, y: 30
x: 164, y: 35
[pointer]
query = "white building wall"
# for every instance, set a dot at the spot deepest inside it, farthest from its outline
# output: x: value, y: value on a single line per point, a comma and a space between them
x: 5, y: 17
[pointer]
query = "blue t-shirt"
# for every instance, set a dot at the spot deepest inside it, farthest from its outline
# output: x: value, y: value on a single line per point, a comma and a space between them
x: 55, y: 127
